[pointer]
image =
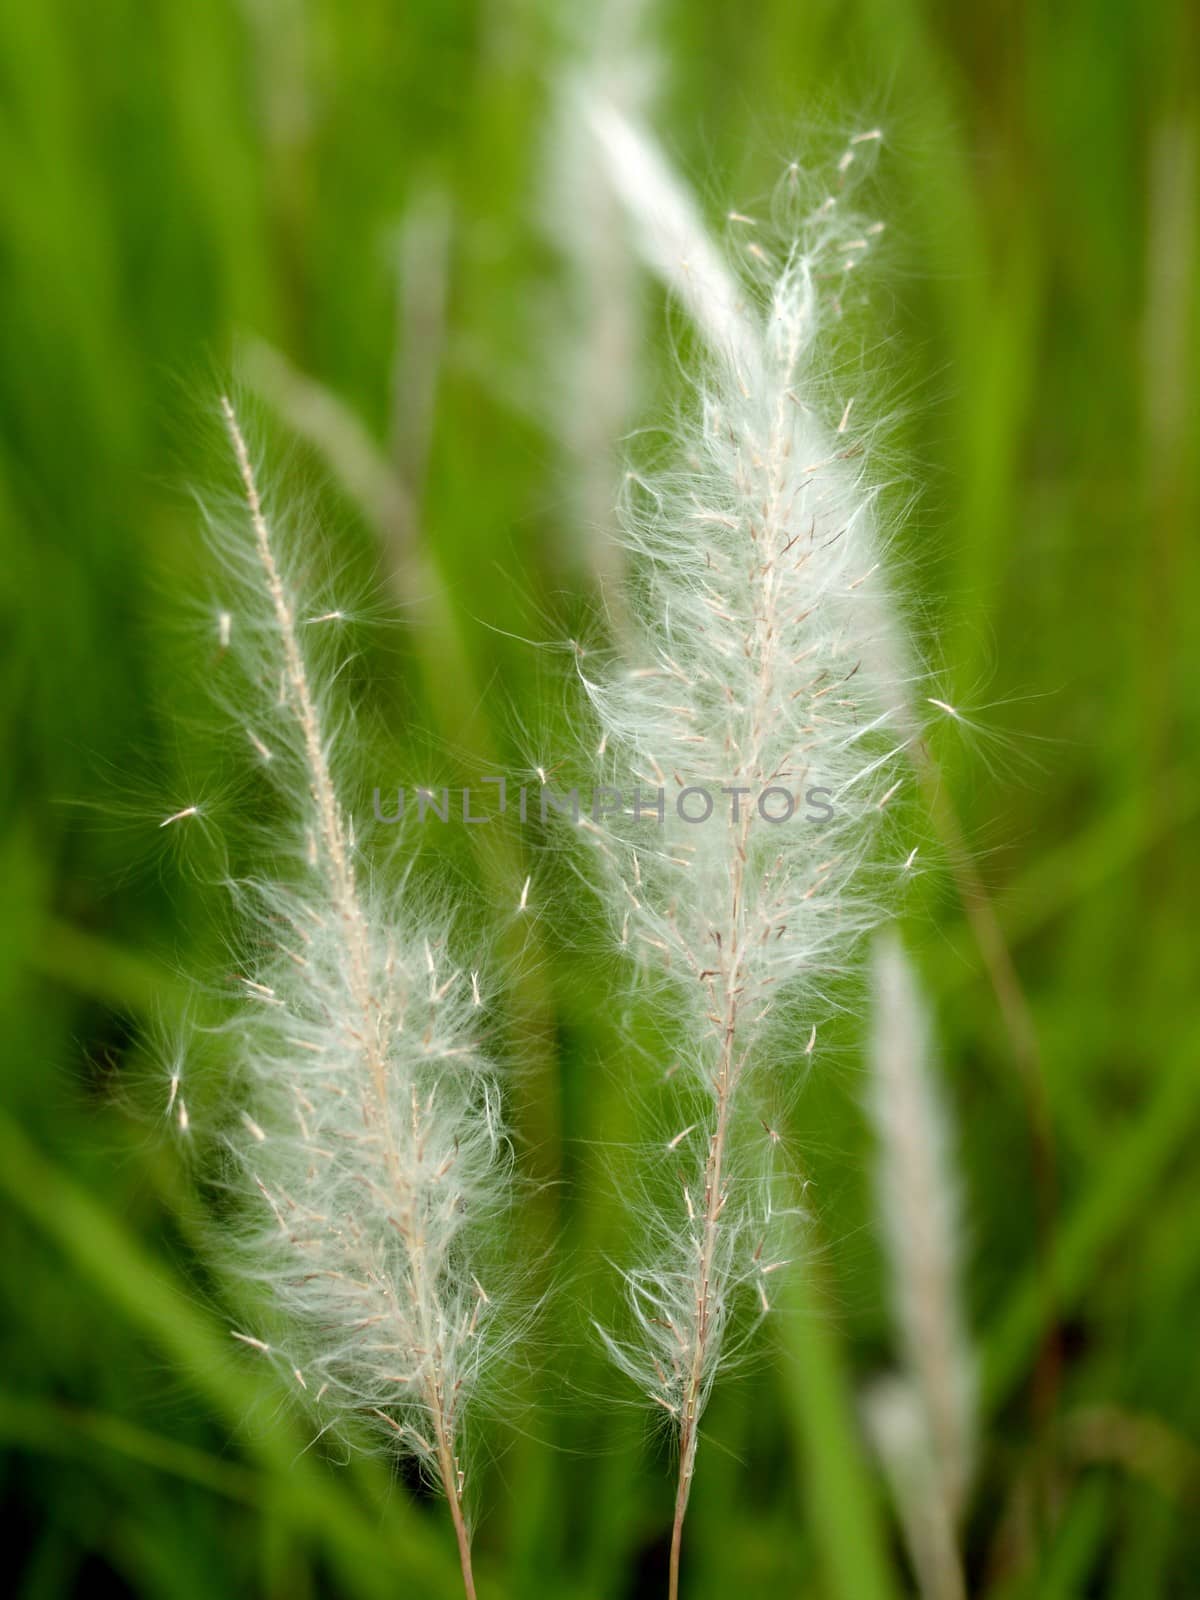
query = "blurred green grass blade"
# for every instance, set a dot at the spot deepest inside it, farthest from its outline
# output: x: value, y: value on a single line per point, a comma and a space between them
x: 844, y: 1515
x: 1123, y: 1187
x: 51, y: 1567
x: 994, y: 417
x: 1062, y: 877
x: 65, y: 1430
x: 1072, y: 1556
x: 104, y: 970
x: 112, y: 1263
x: 1142, y: 1562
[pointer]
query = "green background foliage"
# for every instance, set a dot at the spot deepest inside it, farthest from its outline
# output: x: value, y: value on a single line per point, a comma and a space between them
x: 175, y: 175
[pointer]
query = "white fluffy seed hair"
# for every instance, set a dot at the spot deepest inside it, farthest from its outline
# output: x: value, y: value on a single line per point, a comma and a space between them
x: 772, y: 658
x: 918, y: 1202
x: 369, y: 1151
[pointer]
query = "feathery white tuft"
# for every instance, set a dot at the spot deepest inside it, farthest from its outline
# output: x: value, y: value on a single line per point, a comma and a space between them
x: 769, y: 672
x: 369, y: 1147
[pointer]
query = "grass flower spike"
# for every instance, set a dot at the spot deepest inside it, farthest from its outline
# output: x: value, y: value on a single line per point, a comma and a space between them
x: 766, y: 721
x: 923, y: 1421
x: 369, y: 1146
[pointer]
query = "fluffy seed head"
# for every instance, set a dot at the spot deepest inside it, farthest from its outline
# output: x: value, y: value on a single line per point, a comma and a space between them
x: 368, y: 1149
x: 768, y: 707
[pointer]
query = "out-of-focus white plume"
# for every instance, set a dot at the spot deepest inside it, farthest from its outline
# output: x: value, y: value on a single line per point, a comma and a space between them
x: 923, y: 1421
x: 596, y: 361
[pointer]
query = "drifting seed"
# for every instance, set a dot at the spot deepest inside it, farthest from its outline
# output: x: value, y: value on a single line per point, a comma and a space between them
x: 253, y: 1128
x: 271, y: 1201
x: 673, y: 1144
x: 523, y: 903
x: 392, y: 1423
x: 255, y: 1344
x: 188, y: 811
x: 864, y: 577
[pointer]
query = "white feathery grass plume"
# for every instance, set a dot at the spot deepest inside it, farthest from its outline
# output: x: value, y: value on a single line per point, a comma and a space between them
x: 923, y: 1421
x: 369, y: 1147
x: 894, y: 1419
x: 766, y: 713
x: 672, y: 239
